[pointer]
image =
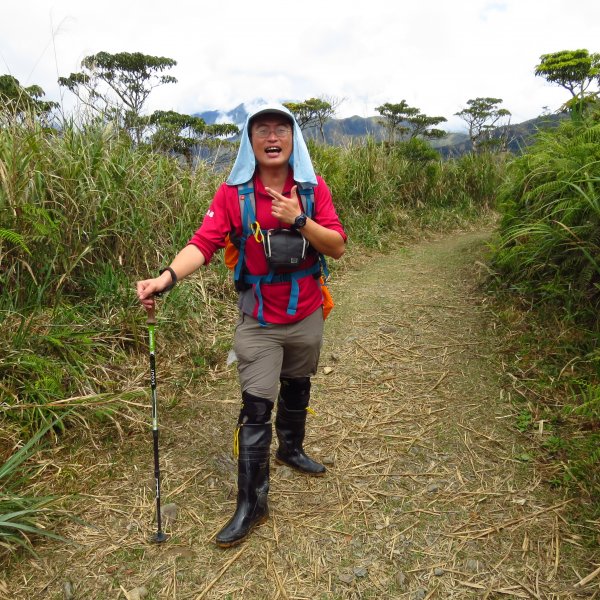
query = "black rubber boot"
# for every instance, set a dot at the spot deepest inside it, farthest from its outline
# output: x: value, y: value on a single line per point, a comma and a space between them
x: 290, y: 425
x: 253, y: 484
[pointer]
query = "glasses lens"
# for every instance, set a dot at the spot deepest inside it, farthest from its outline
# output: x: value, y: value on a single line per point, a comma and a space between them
x: 264, y: 132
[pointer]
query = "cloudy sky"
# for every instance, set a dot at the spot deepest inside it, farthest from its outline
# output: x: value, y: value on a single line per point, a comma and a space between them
x: 435, y: 54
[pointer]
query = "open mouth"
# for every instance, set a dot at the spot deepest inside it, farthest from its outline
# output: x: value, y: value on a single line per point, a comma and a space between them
x: 273, y: 150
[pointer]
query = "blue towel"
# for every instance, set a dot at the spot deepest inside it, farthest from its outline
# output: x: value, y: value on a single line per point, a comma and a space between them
x: 245, y: 162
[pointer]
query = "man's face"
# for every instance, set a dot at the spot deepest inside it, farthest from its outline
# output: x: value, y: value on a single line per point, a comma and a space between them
x: 272, y: 140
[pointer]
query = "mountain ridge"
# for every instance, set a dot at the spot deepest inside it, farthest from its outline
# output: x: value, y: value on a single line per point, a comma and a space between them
x: 340, y: 131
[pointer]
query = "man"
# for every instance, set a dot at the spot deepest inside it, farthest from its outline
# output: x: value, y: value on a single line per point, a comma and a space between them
x: 279, y: 333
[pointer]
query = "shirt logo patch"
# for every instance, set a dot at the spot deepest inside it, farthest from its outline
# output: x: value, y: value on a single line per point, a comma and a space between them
x: 210, y: 213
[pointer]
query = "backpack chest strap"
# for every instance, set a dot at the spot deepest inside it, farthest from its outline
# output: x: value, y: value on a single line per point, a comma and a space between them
x: 294, y: 277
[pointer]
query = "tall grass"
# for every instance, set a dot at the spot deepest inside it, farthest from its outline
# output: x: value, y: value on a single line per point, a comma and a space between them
x: 549, y: 242
x: 89, y: 210
x: 83, y: 216
x: 381, y: 191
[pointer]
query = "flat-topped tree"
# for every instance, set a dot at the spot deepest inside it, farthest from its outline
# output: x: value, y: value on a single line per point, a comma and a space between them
x: 182, y: 134
x: 408, y: 121
x: 423, y: 126
x: 119, y: 84
x: 395, y: 117
x: 484, y: 117
x: 314, y: 112
x: 573, y: 70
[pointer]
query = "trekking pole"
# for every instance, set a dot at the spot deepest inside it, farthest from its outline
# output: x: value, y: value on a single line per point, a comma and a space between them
x: 159, y: 536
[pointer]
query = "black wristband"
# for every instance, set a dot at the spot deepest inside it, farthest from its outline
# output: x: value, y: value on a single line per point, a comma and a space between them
x: 173, y: 280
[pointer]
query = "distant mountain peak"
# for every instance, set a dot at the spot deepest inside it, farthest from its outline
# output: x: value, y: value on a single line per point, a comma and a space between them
x: 236, y: 115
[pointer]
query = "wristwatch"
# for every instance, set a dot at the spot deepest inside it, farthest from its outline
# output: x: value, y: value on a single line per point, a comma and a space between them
x: 300, y: 221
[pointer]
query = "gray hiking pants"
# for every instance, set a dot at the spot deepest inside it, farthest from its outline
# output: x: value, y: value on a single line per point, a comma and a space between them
x: 267, y: 353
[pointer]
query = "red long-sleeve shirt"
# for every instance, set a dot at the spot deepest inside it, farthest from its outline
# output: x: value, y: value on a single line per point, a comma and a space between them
x: 224, y: 215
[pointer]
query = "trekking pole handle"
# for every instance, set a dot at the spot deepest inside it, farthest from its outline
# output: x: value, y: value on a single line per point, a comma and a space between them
x: 151, y: 320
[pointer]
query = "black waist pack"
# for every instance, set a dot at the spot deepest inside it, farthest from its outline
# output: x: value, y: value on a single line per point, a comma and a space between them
x: 284, y: 248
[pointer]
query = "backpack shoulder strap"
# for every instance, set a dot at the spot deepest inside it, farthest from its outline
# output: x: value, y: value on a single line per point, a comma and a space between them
x: 247, y: 203
x: 307, y: 197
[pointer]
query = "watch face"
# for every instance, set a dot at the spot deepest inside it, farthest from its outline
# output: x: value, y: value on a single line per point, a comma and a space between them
x: 300, y: 221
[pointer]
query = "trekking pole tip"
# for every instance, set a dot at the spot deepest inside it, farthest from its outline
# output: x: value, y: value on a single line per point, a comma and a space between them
x: 159, y: 537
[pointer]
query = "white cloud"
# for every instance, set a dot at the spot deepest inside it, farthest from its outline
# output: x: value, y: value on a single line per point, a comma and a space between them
x: 435, y: 55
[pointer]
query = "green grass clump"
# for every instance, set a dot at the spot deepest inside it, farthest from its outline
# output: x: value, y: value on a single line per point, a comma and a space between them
x: 547, y: 259
x: 83, y: 211
x: 549, y: 242
x: 23, y: 517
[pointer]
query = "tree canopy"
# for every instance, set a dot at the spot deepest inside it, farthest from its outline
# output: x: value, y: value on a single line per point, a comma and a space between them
x: 404, y: 120
x: 574, y: 70
x: 119, y: 84
x: 483, y: 117
x: 182, y: 134
x: 16, y: 99
x: 314, y: 112
x: 394, y: 115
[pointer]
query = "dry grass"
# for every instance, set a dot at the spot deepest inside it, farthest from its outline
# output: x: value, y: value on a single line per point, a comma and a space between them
x: 429, y: 492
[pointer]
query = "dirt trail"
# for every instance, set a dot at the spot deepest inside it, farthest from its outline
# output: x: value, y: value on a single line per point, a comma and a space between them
x: 429, y: 492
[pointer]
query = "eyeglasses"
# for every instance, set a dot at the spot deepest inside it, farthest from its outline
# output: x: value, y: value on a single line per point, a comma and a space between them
x: 264, y: 132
